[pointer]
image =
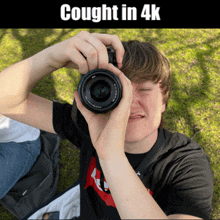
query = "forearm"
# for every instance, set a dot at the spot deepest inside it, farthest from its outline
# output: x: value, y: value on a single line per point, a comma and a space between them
x: 132, y: 199
x: 17, y: 81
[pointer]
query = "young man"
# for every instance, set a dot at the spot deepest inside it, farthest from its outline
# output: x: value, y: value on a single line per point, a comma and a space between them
x: 178, y: 179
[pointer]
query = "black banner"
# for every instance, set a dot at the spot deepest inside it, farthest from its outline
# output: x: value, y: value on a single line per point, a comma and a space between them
x: 73, y: 14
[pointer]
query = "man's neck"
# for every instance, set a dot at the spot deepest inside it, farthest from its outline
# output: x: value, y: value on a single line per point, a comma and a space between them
x: 142, y: 146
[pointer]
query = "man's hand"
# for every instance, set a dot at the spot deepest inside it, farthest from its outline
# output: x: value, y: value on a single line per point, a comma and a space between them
x: 108, y: 130
x: 72, y: 52
x: 19, y: 104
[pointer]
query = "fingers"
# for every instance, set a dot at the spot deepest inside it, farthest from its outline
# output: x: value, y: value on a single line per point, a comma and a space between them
x: 77, y: 58
x: 127, y: 89
x: 93, y: 47
x: 79, y: 104
x: 114, y: 41
x: 102, y: 56
x: 85, y: 112
x: 88, y: 50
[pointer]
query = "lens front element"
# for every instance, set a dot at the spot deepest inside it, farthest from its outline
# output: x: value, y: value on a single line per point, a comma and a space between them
x: 100, y: 90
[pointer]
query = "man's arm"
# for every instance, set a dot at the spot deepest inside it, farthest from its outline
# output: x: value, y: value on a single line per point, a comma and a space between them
x: 107, y: 132
x: 84, y: 51
x: 132, y: 199
x: 17, y: 81
x: 34, y: 111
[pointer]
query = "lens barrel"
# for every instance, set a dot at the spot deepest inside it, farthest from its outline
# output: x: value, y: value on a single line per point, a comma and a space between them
x: 100, y: 90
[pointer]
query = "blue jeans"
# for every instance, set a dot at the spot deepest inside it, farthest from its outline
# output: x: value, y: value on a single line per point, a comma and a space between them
x: 16, y: 159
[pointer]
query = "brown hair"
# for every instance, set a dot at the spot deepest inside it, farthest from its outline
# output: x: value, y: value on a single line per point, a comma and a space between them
x: 143, y: 62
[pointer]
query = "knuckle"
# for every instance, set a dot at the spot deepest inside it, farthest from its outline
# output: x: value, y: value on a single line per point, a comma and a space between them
x: 93, y: 34
x: 92, y: 53
x: 83, y: 64
x: 101, y: 47
x: 121, y: 50
x: 83, y: 68
x: 116, y: 37
x: 77, y: 41
x: 84, y: 33
x: 103, y: 65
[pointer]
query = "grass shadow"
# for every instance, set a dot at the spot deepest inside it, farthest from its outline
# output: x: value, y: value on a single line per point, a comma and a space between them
x: 33, y: 41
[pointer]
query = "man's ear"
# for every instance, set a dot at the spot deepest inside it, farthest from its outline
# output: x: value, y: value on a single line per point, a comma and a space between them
x: 163, y: 107
x: 164, y: 104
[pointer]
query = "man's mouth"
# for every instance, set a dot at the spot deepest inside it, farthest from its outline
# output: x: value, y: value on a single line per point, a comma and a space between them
x: 135, y: 117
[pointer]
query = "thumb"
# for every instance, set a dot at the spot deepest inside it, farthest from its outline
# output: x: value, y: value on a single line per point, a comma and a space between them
x: 78, y: 101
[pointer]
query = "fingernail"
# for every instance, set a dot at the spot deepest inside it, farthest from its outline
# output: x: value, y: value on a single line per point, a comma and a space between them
x: 119, y: 65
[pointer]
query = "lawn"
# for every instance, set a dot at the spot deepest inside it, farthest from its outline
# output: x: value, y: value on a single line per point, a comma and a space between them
x: 194, y: 105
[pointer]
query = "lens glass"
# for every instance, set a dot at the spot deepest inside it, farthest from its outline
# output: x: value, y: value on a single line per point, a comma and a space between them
x: 100, y: 91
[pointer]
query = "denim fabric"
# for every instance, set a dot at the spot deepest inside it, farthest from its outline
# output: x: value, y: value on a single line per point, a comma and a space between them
x: 54, y: 216
x: 16, y: 159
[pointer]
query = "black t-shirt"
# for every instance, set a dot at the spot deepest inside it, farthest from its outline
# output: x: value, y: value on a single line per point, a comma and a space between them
x: 181, y: 181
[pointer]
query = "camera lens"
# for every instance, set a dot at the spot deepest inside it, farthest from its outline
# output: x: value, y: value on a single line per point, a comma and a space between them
x: 100, y: 90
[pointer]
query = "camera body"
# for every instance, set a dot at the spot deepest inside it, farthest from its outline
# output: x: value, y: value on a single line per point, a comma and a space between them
x: 100, y: 90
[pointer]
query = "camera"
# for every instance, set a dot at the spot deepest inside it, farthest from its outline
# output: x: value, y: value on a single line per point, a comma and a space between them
x: 100, y: 90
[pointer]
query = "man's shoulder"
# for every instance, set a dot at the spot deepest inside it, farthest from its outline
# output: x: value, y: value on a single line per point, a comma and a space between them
x: 181, y: 156
x: 184, y: 167
x: 180, y: 143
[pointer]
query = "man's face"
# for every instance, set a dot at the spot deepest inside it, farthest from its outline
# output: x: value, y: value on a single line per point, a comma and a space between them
x: 146, y: 109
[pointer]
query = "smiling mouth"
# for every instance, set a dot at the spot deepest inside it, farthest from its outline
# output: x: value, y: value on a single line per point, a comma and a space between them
x: 137, y: 117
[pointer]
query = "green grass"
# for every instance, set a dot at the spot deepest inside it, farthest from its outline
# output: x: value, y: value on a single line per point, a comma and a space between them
x: 194, y: 106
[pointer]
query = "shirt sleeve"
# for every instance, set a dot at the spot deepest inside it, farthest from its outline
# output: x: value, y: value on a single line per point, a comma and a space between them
x: 191, y: 189
x: 74, y: 130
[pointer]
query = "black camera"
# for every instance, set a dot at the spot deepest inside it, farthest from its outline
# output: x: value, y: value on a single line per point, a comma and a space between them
x: 100, y: 90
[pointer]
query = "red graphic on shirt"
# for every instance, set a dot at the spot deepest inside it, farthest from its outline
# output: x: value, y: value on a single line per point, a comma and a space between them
x: 93, y: 179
